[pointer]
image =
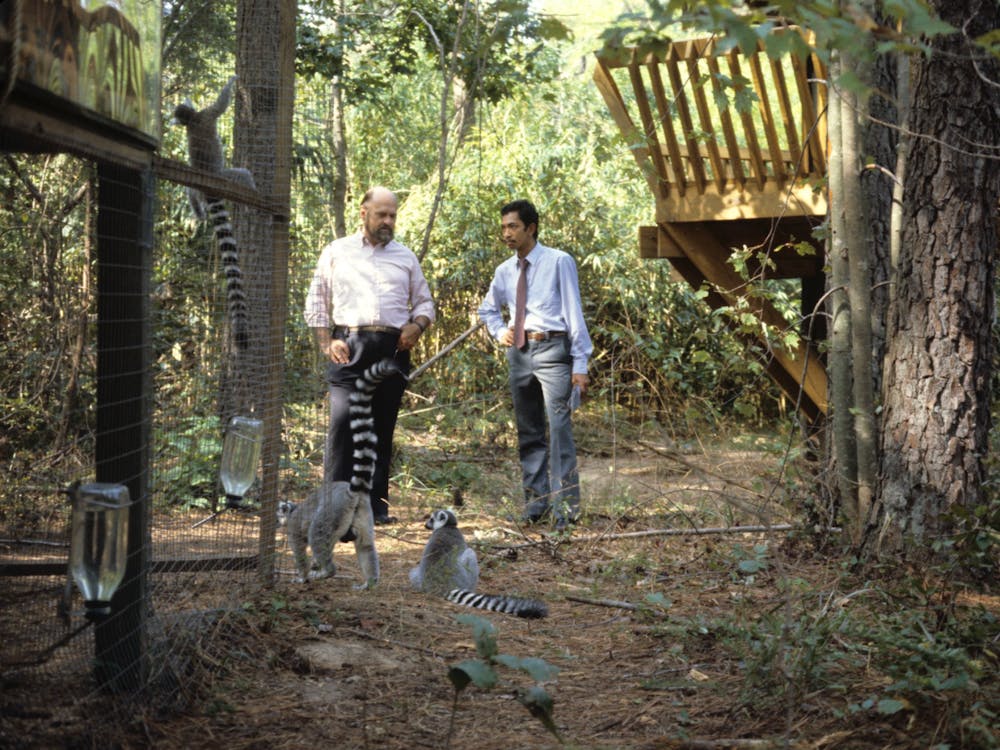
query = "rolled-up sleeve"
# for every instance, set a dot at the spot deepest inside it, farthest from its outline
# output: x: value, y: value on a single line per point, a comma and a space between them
x: 317, y: 307
x: 421, y: 302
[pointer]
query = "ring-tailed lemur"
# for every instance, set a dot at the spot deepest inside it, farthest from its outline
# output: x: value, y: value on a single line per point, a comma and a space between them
x: 338, y: 507
x: 449, y: 568
x: 205, y: 153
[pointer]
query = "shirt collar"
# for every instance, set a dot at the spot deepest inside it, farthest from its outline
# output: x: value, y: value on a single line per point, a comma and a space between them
x: 532, y: 256
x: 368, y: 245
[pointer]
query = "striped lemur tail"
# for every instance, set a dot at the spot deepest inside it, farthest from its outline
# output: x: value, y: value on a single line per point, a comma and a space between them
x: 511, y: 605
x: 363, y: 423
x: 205, y: 154
x: 449, y: 567
x: 339, y: 507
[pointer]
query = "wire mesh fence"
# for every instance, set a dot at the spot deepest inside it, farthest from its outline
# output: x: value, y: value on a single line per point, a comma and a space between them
x: 128, y: 366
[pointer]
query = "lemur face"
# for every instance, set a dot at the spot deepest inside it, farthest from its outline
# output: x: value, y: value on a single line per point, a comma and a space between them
x: 285, y: 509
x: 440, y: 518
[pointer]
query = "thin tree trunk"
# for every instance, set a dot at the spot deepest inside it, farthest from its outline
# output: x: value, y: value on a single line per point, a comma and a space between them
x: 338, y: 136
x: 936, y: 398
x: 844, y: 452
x: 859, y: 295
x: 449, y: 67
x: 902, y: 149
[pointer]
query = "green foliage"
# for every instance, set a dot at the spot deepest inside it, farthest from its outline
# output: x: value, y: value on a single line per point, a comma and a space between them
x: 188, y: 461
x: 926, y: 659
x: 500, y: 45
x: 908, y: 26
x: 482, y: 673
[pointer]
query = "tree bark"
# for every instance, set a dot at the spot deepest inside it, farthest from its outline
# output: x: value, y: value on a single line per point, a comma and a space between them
x: 844, y: 459
x: 859, y: 293
x: 338, y: 136
x: 937, y: 378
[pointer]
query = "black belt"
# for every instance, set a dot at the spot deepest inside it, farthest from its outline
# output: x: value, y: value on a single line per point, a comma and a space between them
x: 543, y: 335
x: 349, y: 330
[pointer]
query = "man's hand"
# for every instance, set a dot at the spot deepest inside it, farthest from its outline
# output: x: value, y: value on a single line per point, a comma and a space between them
x: 507, y: 337
x: 337, y: 351
x: 581, y: 380
x: 408, y: 336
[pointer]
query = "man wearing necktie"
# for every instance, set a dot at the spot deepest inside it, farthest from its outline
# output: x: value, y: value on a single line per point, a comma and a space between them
x: 548, y: 347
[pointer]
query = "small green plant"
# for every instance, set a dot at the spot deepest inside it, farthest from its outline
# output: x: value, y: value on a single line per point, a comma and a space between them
x: 750, y: 562
x: 482, y: 673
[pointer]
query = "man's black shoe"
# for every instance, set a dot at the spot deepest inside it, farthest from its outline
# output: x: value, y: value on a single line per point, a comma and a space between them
x: 350, y: 536
x: 384, y: 520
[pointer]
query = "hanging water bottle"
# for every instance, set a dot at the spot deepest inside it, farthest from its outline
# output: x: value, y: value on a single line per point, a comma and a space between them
x: 240, y: 455
x: 98, y: 549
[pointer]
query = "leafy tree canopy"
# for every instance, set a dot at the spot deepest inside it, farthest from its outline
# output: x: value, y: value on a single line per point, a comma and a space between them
x: 366, y: 44
x: 903, y: 25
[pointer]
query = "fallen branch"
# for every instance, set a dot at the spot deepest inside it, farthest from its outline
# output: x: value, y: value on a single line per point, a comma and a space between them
x: 694, y: 531
x: 613, y: 603
x: 461, y: 337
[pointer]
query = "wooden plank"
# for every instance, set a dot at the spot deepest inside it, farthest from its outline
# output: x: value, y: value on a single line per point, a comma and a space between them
x: 26, y: 128
x: 784, y: 262
x: 709, y: 257
x: 787, y: 117
x: 216, y: 185
x: 691, y: 59
x: 647, y: 242
x: 728, y: 132
x: 687, y: 124
x: 649, y: 129
x: 655, y: 244
x: 616, y: 106
x: 749, y: 127
x: 669, y: 134
x: 821, y: 108
x: 810, y: 129
x: 796, y: 199
x: 770, y: 130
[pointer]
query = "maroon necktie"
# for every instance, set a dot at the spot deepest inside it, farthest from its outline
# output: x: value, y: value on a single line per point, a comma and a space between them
x: 520, y: 303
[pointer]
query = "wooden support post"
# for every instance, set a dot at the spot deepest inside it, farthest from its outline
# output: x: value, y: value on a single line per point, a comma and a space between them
x: 122, y: 452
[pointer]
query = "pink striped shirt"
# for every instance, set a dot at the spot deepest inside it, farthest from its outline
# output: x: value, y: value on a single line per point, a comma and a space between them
x: 359, y: 284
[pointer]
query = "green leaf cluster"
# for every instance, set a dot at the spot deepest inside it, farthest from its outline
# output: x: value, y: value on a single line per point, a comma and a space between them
x: 483, y: 672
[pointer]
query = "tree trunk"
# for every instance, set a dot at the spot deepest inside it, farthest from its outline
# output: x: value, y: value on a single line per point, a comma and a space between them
x: 859, y: 293
x: 338, y: 137
x: 937, y: 378
x: 844, y: 459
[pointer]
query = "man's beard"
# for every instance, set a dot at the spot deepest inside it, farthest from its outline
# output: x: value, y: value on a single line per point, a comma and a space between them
x: 382, y: 235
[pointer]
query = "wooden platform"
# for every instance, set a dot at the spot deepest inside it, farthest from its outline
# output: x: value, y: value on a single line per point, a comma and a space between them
x: 733, y: 148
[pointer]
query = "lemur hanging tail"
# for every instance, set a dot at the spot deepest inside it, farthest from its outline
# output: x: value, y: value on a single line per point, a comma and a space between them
x: 229, y: 255
x: 205, y: 153
x: 338, y: 507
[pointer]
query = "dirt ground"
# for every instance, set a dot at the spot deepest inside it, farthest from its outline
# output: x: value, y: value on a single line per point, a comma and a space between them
x: 630, y: 630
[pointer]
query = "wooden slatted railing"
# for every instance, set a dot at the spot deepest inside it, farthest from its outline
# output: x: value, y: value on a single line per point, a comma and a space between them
x: 721, y: 134
x: 733, y: 147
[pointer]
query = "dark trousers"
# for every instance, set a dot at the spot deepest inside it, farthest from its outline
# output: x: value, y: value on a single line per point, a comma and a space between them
x: 366, y: 349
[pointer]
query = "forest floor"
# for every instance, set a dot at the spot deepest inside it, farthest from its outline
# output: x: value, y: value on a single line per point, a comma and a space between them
x: 662, y: 639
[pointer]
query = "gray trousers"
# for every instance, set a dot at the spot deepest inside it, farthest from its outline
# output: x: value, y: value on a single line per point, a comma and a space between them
x: 540, y: 384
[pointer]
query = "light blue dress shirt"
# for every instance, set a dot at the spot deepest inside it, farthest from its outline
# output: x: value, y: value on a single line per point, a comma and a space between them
x: 553, y: 300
